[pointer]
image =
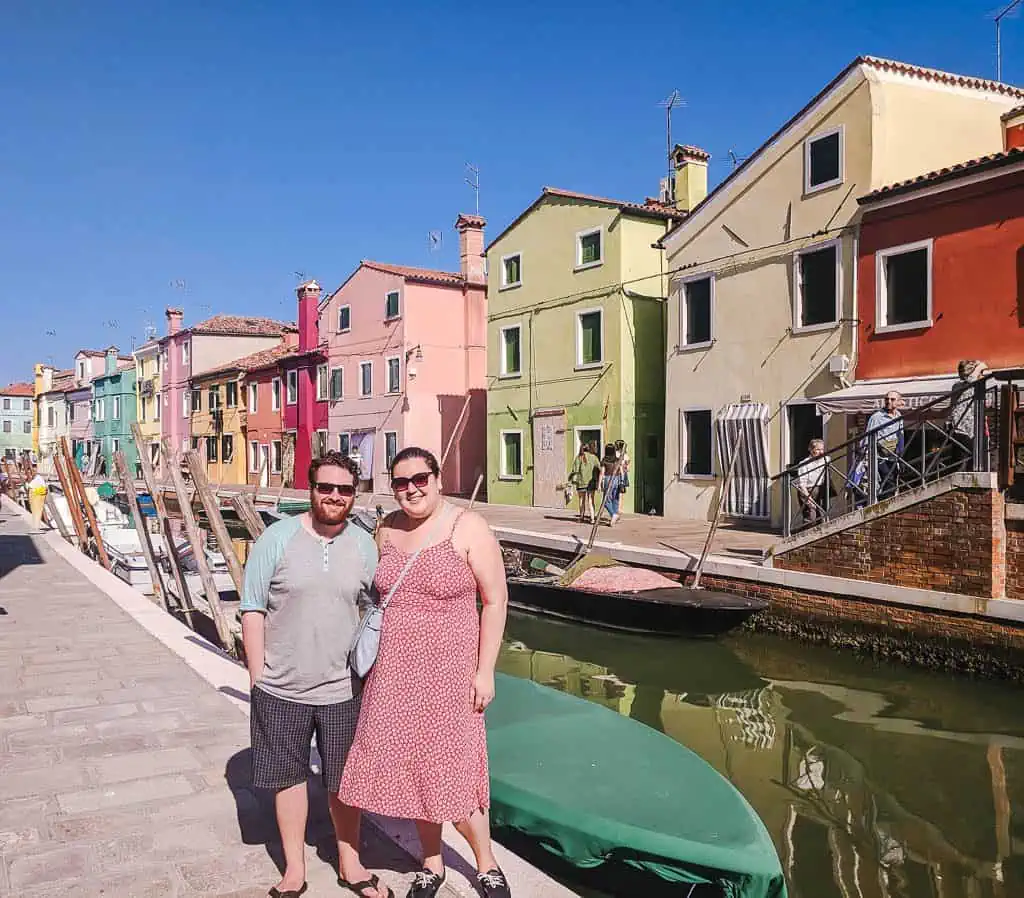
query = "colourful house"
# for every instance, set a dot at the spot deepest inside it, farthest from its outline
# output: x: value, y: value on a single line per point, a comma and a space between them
x: 114, y: 409
x: 575, y: 339
x: 149, y: 408
x: 16, y: 415
x: 266, y: 455
x: 406, y: 364
x: 51, y: 411
x: 763, y: 310
x: 218, y: 422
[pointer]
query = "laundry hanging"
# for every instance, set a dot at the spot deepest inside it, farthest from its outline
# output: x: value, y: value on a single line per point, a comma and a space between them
x: 748, y: 492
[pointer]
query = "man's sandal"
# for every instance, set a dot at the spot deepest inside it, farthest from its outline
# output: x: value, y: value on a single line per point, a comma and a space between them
x: 360, y: 887
x: 275, y: 892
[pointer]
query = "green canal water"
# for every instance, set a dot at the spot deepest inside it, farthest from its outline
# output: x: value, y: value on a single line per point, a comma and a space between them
x: 875, y: 780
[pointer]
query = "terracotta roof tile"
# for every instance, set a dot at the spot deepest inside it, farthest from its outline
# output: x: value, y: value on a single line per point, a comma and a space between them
x: 242, y: 326
x: 263, y: 358
x: 425, y: 275
x: 1017, y: 110
x: 906, y: 68
x: 64, y: 380
x: 949, y: 173
x: 19, y: 389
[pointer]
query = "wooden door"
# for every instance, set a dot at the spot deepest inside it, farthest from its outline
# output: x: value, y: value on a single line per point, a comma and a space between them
x: 264, y: 464
x: 549, y: 459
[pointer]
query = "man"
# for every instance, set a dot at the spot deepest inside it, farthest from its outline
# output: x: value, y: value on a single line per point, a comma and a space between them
x: 305, y: 581
x: 961, y: 423
x: 888, y: 424
x: 809, y: 480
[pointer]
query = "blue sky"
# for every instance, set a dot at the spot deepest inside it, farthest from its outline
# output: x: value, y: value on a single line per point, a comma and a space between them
x: 228, y: 145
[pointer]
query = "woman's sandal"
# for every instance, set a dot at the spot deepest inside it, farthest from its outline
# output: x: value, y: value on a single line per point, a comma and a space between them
x: 359, y: 887
x: 275, y: 892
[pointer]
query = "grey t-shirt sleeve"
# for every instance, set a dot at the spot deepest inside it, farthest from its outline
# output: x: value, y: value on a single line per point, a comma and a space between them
x: 368, y: 553
x: 263, y: 560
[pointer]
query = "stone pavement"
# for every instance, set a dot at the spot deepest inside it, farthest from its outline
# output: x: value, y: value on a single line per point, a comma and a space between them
x: 124, y: 773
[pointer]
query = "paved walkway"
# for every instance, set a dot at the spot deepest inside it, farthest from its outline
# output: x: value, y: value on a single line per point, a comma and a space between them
x: 122, y: 771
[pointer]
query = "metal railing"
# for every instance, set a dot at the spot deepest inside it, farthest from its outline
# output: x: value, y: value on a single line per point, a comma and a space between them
x: 952, y: 433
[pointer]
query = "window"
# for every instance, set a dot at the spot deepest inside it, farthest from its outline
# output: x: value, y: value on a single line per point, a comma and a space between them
x: 51, y: 417
x: 292, y: 387
x: 115, y: 444
x: 195, y: 443
x: 275, y: 456
x: 156, y: 362
x: 695, y: 443
x: 7, y: 404
x: 823, y: 161
x: 117, y: 408
x: 511, y: 462
x: 337, y: 384
x: 211, y: 449
x: 26, y: 405
x: 186, y: 404
x: 589, y: 248
x: 319, y: 443
x: 254, y: 456
x: 391, y: 305
x: 321, y: 382
x: 275, y: 394
x: 394, y: 383
x: 156, y: 408
x: 390, y: 447
x: 345, y: 443
x: 101, y: 410
x: 365, y: 378
x: 696, y: 313
x: 213, y: 398
x: 142, y: 369
x: 71, y: 412
x: 903, y: 285
x: 197, y: 400
x: 589, y: 338
x: 511, y: 351
x: 184, y: 354
x: 344, y: 319
x: 803, y: 424
x: 816, y: 279
x: 7, y: 426
x: 592, y: 436
x: 231, y: 394
x: 142, y: 409
x: 511, y: 270
x: 254, y: 395
x: 227, y: 447
x: 26, y: 427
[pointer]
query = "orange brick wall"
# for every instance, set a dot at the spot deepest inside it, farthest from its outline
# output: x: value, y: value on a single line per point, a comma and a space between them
x: 1015, y: 559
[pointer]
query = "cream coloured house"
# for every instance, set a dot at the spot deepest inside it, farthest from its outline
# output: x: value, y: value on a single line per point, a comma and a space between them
x: 762, y: 305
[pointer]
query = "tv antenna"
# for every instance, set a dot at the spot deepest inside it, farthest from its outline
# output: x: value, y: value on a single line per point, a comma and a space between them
x: 736, y: 160
x: 673, y: 101
x: 473, y: 180
x: 434, y: 240
x: 1005, y: 11
x: 300, y: 276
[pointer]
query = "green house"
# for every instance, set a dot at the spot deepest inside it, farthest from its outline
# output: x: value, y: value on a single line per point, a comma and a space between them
x: 114, y: 411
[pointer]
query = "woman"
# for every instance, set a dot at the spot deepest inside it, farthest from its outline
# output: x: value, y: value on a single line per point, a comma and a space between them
x: 584, y: 476
x: 420, y: 749
x: 611, y: 482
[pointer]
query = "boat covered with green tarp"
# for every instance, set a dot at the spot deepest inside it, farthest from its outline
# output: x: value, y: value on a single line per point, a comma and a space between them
x: 592, y: 786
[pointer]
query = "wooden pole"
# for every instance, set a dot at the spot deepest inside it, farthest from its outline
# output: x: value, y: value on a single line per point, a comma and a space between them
x: 718, y: 511
x: 476, y: 489
x: 248, y: 514
x: 76, y: 480
x: 216, y: 519
x: 140, y: 525
x: 51, y: 511
x: 455, y: 431
x: 74, y: 509
x: 192, y: 531
x: 149, y: 476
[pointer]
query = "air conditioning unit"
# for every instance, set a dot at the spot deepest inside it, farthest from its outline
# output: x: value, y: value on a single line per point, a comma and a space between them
x: 839, y: 364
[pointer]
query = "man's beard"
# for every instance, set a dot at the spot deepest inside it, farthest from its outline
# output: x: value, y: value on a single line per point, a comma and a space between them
x: 329, y: 513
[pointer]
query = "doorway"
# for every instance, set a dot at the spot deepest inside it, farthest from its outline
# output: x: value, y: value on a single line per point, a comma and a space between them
x: 264, y: 464
x: 549, y: 459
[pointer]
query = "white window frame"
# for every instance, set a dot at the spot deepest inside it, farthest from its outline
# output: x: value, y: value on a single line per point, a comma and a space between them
x: 276, y: 468
x: 580, y: 265
x: 340, y: 369
x: 226, y: 458
x: 26, y: 405
x: 348, y: 435
x: 81, y: 370
x: 684, y: 449
x: 156, y: 407
x: 117, y: 409
x: 787, y: 444
x: 814, y: 138
x: 502, y: 370
x: 390, y: 433
x: 798, y: 298
x: 227, y: 394
x: 291, y: 377
x: 398, y: 311
x: 185, y: 352
x: 186, y: 403
x: 115, y: 444
x: 880, y: 287
x: 511, y: 285
x: 322, y: 436
x: 276, y: 394
x: 580, y: 364
x: 101, y: 409
x: 502, y: 474
x: 254, y: 397
x: 576, y: 437
x: 363, y: 364
x: 344, y: 330
x: 387, y: 374
x: 703, y: 344
x: 324, y: 371
x: 254, y: 456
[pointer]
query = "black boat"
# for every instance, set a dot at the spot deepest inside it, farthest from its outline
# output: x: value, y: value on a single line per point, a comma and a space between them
x: 674, y: 611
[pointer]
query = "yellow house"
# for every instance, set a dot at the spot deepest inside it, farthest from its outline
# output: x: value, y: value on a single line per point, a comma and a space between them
x: 218, y: 422
x: 148, y: 365
x: 762, y: 309
x: 575, y: 342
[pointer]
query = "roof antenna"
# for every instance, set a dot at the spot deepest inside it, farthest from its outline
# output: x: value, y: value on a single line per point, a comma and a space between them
x: 473, y: 180
x: 674, y: 101
x: 1006, y: 10
x: 436, y: 238
x: 736, y: 160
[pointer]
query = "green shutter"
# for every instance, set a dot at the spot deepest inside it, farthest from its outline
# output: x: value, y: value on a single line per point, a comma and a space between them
x: 512, y: 455
x: 590, y: 338
x: 512, y: 351
x: 590, y: 248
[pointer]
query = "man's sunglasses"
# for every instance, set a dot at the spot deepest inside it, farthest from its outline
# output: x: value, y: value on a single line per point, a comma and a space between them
x: 400, y: 484
x: 345, y: 490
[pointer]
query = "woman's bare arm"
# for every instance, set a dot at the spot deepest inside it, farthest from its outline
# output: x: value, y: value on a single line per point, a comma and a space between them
x: 484, y: 558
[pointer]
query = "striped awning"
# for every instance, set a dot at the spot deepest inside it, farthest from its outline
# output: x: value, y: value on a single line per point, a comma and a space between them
x: 743, y: 428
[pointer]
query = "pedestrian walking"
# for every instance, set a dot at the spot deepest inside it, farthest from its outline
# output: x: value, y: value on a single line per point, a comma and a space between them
x: 611, y: 482
x: 305, y: 581
x: 420, y: 751
x: 36, y: 488
x: 887, y: 423
x: 584, y: 477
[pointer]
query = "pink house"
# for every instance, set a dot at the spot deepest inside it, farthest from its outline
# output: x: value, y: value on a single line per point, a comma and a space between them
x: 406, y: 363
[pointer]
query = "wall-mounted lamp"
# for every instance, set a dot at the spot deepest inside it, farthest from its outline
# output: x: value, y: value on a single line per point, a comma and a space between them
x: 418, y: 350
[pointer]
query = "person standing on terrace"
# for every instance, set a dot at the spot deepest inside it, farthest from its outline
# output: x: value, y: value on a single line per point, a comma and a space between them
x: 887, y: 423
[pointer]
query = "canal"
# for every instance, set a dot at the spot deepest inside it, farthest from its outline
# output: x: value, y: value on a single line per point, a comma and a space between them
x: 875, y: 780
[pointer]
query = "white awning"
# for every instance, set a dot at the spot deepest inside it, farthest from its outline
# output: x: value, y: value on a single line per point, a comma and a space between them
x: 748, y: 491
x: 865, y: 396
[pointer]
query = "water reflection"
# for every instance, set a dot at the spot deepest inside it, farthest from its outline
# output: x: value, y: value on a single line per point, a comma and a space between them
x: 874, y: 781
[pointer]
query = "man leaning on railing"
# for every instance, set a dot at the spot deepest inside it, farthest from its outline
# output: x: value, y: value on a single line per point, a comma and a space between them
x: 886, y: 426
x: 961, y: 423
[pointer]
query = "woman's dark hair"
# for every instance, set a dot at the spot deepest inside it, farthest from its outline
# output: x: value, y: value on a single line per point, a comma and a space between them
x: 416, y: 452
x: 336, y: 459
x: 609, y: 450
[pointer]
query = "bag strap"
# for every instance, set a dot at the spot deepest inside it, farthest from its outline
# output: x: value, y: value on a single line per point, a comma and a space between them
x: 414, y: 556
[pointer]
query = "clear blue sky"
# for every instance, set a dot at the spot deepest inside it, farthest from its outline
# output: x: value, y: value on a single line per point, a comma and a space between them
x: 228, y: 145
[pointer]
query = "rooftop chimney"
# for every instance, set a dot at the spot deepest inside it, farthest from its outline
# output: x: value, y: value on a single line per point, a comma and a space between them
x: 471, y: 247
x: 691, y: 176
x: 174, y: 317
x: 309, y: 302
x: 110, y: 361
x: 1013, y: 129
x: 45, y: 373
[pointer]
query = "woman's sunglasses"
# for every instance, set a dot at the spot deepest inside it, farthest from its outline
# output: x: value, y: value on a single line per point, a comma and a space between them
x: 400, y: 484
x: 345, y: 490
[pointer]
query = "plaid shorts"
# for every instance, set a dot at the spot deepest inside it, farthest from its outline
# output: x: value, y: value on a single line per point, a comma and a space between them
x: 281, y: 734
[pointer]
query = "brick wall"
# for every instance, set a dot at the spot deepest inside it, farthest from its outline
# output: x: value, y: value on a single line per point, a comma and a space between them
x: 955, y: 542
x: 1015, y: 559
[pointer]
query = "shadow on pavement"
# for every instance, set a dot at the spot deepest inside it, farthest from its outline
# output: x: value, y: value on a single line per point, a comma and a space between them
x: 17, y: 550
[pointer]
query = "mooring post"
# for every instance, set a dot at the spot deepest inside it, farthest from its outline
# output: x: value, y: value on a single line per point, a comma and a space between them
x: 216, y: 519
x: 79, y: 486
x: 121, y: 466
